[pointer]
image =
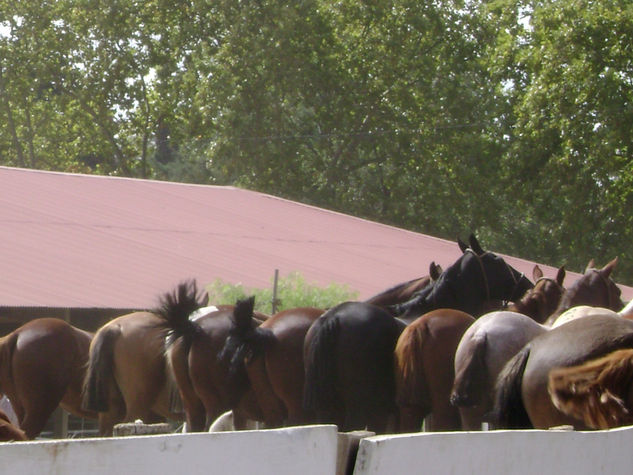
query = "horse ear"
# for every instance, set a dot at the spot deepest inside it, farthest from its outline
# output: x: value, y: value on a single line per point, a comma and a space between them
x: 462, y: 245
x: 474, y: 245
x: 590, y: 265
x: 537, y: 273
x: 607, y: 269
x: 560, y: 276
x: 434, y: 270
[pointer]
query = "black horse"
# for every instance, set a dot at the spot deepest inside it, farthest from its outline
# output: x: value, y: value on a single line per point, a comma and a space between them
x: 477, y: 278
x: 349, y: 359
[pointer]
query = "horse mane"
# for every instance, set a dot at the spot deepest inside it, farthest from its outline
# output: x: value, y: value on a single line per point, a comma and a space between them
x: 175, y: 308
x: 595, y: 392
x: 509, y: 411
x: 412, y: 388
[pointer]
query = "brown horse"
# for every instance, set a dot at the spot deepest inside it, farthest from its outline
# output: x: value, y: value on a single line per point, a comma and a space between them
x: 598, y: 392
x: 348, y: 355
x: 424, y: 362
x: 485, y: 348
x: 203, y: 380
x: 42, y: 365
x: 521, y: 396
x: 594, y: 288
x: 271, y: 355
x: 404, y: 291
x: 128, y: 377
x: 542, y: 300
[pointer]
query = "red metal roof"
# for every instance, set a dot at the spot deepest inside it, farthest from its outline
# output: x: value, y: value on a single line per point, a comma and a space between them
x: 69, y: 240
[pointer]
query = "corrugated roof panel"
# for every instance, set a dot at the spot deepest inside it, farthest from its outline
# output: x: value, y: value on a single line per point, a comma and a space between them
x: 92, y: 241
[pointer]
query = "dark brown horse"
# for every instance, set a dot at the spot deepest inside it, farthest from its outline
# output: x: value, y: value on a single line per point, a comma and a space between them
x: 203, y: 379
x: 349, y: 360
x: 128, y: 377
x: 424, y: 362
x: 404, y: 291
x: 271, y: 355
x: 42, y: 366
x: 475, y: 279
x: 594, y: 288
x: 542, y: 300
x: 598, y: 392
x: 521, y: 396
x: 487, y: 345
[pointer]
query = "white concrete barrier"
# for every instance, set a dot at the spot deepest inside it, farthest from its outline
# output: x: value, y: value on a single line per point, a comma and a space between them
x: 498, y: 452
x: 297, y: 450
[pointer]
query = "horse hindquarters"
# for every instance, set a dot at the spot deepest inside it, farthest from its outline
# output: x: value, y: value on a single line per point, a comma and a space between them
x: 509, y: 409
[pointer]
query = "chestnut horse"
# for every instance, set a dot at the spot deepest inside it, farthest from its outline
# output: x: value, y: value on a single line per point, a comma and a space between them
x: 424, y: 362
x: 192, y: 351
x: 594, y: 288
x: 271, y: 356
x: 42, y: 365
x: 128, y: 377
x: 542, y: 300
x: 487, y: 345
x: 475, y: 279
x: 598, y: 392
x: 521, y: 395
x: 348, y: 355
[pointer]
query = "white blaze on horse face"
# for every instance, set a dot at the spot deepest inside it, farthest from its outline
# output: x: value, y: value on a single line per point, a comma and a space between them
x: 201, y: 312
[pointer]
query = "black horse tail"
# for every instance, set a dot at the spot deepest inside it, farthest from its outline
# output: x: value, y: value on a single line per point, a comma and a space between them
x: 509, y: 411
x: 175, y: 308
x: 319, y: 390
x: 245, y: 342
x: 100, y: 371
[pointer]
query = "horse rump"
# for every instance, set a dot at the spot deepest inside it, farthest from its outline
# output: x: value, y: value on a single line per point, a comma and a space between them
x: 509, y: 411
x: 595, y: 392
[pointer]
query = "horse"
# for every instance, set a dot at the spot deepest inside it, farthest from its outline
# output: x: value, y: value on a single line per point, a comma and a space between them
x: 349, y: 361
x: 192, y: 350
x: 581, y: 311
x: 486, y: 346
x: 543, y: 299
x: 128, y: 377
x: 271, y: 357
x: 42, y: 364
x: 424, y: 362
x: 598, y: 392
x: 406, y: 290
x: 594, y: 288
x: 521, y: 396
x: 475, y: 279
x: 627, y: 311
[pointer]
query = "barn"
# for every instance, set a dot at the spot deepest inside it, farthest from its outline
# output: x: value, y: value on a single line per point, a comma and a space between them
x: 86, y: 248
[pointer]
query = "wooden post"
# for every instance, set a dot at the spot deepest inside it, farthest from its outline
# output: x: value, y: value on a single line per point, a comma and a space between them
x: 274, y: 299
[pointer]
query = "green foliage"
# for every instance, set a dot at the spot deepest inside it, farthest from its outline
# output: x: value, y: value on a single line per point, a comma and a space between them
x: 509, y: 118
x: 292, y: 291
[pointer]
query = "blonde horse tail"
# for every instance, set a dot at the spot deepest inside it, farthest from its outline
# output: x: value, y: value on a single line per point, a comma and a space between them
x: 412, y: 388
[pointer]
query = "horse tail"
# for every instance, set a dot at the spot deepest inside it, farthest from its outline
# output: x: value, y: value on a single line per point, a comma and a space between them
x: 412, y: 388
x: 509, y: 411
x: 471, y: 373
x: 7, y: 349
x: 100, y: 372
x: 175, y: 308
x: 245, y: 342
x: 319, y: 391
